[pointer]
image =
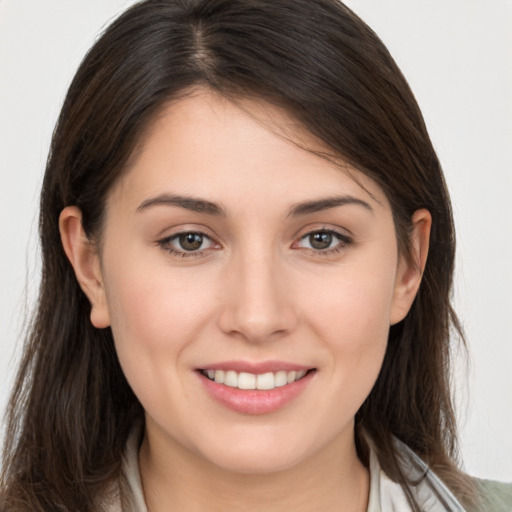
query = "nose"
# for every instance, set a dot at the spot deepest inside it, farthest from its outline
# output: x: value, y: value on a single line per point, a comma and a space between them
x: 257, y: 302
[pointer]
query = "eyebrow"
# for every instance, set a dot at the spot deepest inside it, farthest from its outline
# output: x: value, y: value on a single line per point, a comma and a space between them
x: 189, y: 203
x: 207, y: 207
x: 319, y: 205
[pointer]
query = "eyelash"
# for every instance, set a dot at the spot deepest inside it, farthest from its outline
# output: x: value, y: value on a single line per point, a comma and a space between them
x: 344, y: 241
x: 165, y: 243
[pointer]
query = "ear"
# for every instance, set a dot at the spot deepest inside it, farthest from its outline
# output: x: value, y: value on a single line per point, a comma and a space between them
x: 85, y: 260
x: 410, y: 269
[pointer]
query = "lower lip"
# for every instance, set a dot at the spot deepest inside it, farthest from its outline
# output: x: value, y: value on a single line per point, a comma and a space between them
x: 254, y: 401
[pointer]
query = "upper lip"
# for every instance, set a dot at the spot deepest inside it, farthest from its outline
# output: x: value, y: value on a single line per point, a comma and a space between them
x: 255, y: 367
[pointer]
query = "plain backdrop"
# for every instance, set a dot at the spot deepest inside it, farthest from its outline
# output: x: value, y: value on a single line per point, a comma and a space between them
x: 457, y: 57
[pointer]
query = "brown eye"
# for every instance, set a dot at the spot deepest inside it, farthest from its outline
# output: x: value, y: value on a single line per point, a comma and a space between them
x: 320, y: 240
x: 190, y: 241
x: 324, y: 241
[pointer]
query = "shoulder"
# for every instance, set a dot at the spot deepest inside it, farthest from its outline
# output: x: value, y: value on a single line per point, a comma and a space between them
x: 495, y: 496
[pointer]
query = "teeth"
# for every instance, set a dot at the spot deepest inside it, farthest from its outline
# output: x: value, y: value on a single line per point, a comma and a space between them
x: 231, y: 379
x: 246, y: 381
x: 263, y: 381
x: 280, y: 379
x: 219, y: 376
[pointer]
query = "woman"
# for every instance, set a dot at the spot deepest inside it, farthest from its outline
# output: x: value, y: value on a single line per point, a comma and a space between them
x: 247, y: 260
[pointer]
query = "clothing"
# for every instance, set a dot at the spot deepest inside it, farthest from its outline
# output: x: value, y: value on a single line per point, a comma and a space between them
x: 385, y: 495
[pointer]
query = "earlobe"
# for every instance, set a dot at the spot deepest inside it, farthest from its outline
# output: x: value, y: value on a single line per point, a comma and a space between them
x: 84, y: 259
x: 410, y: 269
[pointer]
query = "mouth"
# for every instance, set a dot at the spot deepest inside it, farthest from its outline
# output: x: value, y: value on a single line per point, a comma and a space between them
x: 255, y: 388
x: 252, y: 381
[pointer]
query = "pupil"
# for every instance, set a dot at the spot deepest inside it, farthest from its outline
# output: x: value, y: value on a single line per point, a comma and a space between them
x: 320, y: 240
x: 191, y: 241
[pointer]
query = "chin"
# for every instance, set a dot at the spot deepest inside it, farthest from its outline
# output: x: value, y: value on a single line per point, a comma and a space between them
x: 259, y: 458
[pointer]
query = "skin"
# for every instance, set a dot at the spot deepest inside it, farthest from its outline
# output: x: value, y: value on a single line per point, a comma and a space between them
x: 257, y: 290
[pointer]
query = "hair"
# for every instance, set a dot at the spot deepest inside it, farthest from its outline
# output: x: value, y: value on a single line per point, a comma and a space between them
x: 72, y: 409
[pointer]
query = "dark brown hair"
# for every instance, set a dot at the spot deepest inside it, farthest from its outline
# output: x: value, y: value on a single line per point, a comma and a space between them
x: 72, y: 409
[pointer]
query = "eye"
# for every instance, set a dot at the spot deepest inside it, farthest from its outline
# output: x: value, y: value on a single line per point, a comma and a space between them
x: 324, y: 241
x: 187, y: 243
x: 190, y: 241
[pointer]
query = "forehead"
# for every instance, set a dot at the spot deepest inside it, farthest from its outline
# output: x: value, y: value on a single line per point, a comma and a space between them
x: 205, y: 144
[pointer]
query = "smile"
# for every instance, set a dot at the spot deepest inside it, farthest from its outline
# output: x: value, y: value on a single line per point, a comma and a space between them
x: 248, y: 381
x: 255, y: 388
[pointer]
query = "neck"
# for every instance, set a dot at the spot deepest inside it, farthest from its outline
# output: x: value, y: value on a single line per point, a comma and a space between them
x: 332, y: 480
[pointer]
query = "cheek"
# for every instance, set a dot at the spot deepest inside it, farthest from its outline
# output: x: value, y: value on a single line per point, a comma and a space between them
x: 155, y: 317
x: 358, y: 334
x: 350, y: 313
x: 353, y: 303
x: 153, y: 306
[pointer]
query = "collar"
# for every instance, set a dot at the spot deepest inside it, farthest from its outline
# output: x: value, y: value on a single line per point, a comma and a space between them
x: 385, y: 495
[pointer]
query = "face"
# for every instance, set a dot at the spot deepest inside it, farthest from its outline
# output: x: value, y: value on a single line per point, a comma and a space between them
x: 249, y: 285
